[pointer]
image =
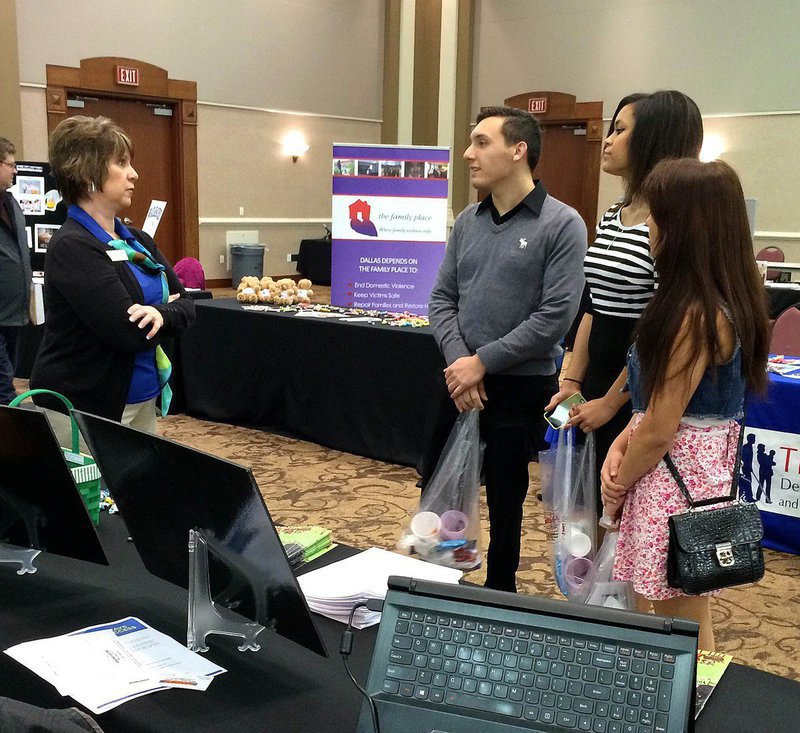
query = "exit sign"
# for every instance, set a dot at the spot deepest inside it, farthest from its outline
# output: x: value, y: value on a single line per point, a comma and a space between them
x: 537, y: 105
x: 128, y: 75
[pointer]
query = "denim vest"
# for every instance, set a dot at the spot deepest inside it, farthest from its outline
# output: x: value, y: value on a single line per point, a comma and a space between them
x: 722, y: 397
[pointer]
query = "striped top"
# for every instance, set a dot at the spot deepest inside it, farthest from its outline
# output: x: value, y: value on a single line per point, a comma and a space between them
x: 619, y: 269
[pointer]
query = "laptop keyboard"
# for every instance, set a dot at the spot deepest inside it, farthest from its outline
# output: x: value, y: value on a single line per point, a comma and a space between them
x: 529, y: 675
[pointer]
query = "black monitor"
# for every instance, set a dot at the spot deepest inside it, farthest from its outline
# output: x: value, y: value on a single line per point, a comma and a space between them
x: 40, y: 505
x: 164, y: 489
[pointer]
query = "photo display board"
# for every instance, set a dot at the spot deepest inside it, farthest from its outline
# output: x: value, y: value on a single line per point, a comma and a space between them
x: 389, y: 225
x: 37, y: 194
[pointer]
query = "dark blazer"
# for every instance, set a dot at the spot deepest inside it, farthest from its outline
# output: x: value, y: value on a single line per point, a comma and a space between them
x: 89, y: 345
x: 15, y: 270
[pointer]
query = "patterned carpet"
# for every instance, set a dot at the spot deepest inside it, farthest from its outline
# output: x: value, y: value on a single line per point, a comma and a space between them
x: 366, y: 503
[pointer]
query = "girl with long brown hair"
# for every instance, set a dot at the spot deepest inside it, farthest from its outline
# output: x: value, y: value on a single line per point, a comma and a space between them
x: 700, y: 345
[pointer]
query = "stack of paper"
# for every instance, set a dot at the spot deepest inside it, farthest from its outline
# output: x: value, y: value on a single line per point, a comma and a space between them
x: 333, y: 590
x: 304, y: 543
x: 104, y: 666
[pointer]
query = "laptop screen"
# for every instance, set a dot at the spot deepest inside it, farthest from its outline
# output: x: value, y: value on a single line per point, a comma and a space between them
x: 164, y: 489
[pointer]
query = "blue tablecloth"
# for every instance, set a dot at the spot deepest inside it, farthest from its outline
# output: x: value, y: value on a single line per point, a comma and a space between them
x: 774, y: 422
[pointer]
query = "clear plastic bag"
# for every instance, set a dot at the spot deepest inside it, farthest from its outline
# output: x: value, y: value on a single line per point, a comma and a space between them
x: 445, y: 529
x: 599, y: 587
x: 568, y: 494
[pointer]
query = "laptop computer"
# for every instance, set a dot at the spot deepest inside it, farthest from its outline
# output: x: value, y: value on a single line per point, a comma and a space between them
x: 462, y: 659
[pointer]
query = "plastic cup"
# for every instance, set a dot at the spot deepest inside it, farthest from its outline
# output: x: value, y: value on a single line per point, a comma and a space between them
x: 579, y: 544
x: 454, y: 525
x: 425, y: 524
x: 425, y: 528
x: 576, y: 570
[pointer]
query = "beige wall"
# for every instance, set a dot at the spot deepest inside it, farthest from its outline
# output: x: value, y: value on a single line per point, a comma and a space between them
x: 241, y: 164
x: 763, y: 151
x: 325, y: 57
x: 34, y: 122
x: 244, y: 166
x: 734, y: 57
x: 320, y: 58
x: 729, y: 55
x: 10, y: 118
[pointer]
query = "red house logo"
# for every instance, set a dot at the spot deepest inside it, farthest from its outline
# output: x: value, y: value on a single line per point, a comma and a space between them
x: 359, y: 218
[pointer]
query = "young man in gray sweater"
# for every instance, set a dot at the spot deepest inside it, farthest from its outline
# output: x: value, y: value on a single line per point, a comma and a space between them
x: 507, y: 292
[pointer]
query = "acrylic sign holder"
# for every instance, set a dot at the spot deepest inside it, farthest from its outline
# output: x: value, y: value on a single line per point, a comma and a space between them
x: 205, y: 616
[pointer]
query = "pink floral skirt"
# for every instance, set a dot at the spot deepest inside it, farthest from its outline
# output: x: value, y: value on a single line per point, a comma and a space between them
x: 704, y: 458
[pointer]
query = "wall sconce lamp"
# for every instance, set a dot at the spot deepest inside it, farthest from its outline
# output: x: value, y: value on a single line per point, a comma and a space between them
x: 294, y: 144
x: 713, y: 148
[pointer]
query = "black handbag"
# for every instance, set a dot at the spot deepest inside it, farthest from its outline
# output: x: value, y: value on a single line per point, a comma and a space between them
x: 718, y: 548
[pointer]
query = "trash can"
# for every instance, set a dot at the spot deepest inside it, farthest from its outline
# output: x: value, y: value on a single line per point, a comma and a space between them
x: 246, y: 260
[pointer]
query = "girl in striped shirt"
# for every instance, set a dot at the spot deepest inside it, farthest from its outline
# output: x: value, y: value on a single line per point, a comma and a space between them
x: 620, y: 275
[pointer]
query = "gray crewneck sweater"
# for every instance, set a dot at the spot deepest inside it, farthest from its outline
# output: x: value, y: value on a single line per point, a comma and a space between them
x: 510, y: 291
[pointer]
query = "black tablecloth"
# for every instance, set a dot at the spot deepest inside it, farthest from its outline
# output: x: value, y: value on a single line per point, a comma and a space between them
x: 314, y: 260
x: 282, y: 688
x: 781, y: 298
x: 357, y: 387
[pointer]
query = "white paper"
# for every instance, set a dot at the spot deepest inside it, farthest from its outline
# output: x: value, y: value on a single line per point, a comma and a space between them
x: 117, y: 255
x: 103, y: 666
x: 317, y: 314
x: 786, y: 367
x: 153, y: 218
x: 334, y: 589
x: 37, y: 301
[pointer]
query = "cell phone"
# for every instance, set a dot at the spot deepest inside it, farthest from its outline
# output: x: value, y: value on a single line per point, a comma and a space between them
x: 556, y: 418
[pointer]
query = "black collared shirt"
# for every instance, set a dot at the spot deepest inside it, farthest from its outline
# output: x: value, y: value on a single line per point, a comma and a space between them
x: 533, y: 201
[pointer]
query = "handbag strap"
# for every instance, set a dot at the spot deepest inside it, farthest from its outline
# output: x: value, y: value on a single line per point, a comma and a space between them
x: 734, y: 483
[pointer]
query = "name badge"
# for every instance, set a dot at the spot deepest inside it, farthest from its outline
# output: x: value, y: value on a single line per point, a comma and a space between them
x: 117, y: 255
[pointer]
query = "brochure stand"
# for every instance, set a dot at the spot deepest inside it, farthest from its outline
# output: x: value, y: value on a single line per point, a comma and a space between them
x: 206, y: 616
x: 21, y: 555
x: 27, y: 516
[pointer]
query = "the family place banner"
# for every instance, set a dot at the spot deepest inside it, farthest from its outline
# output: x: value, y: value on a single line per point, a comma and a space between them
x: 389, y: 225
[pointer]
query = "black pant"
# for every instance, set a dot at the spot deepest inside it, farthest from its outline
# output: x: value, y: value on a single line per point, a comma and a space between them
x: 9, y: 335
x: 608, y: 347
x: 512, y: 427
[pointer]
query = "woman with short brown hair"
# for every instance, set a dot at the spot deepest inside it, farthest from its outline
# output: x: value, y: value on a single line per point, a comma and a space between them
x: 111, y: 296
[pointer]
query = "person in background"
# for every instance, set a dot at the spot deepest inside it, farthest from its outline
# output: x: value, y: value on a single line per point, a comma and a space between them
x: 500, y: 348
x: 700, y: 344
x: 111, y: 297
x: 746, y: 475
x: 766, y: 468
x: 15, y: 273
x: 645, y: 129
